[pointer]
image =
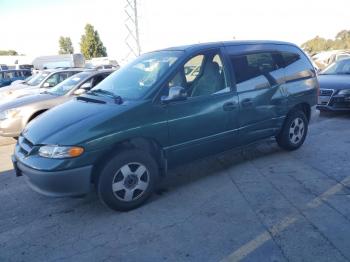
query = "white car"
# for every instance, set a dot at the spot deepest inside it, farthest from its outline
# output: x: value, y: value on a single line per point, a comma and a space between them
x: 37, y: 84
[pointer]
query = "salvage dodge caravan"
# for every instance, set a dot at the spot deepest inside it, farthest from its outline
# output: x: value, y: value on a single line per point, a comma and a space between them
x: 163, y: 109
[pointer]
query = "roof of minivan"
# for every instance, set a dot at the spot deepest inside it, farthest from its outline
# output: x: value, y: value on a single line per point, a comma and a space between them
x: 226, y: 43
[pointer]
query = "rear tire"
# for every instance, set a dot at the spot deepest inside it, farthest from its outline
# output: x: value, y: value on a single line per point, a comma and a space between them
x: 294, y: 131
x: 127, y: 180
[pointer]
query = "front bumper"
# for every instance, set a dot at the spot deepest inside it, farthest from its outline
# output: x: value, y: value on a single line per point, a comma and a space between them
x: 332, y: 109
x: 71, y: 182
x: 11, y: 127
x: 334, y: 103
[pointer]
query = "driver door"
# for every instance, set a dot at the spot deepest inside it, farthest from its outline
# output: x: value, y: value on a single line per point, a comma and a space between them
x: 206, y: 121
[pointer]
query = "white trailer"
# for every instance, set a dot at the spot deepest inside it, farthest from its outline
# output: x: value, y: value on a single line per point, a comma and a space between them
x: 56, y: 61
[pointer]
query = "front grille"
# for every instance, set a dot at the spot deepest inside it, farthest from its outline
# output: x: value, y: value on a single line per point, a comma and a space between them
x: 326, y: 92
x: 325, y: 96
x: 25, y: 146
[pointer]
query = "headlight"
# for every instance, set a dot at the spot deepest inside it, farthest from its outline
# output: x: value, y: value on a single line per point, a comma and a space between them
x: 54, y: 151
x: 7, y: 114
x: 344, y: 92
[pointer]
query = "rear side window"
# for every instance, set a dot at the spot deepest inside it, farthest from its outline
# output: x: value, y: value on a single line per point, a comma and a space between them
x: 290, y: 58
x: 296, y: 65
x: 256, y: 70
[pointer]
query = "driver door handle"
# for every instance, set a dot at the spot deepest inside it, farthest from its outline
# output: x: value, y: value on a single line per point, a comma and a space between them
x: 229, y: 106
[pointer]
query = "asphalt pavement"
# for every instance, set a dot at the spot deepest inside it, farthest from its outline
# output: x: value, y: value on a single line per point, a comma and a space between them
x: 259, y: 204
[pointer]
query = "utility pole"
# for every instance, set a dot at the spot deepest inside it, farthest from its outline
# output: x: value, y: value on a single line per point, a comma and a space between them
x: 132, y: 39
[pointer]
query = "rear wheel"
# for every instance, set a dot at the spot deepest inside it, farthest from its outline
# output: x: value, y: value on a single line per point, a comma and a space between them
x: 127, y: 180
x: 294, y: 131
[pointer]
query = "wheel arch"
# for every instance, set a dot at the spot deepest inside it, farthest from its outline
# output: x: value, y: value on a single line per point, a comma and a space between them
x: 143, y: 143
x: 304, y: 107
x: 36, y: 114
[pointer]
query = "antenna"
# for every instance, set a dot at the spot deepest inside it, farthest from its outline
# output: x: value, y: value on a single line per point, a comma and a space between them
x: 132, y: 39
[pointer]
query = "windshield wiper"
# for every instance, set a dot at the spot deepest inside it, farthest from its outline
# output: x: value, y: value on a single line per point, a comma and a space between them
x: 117, y: 99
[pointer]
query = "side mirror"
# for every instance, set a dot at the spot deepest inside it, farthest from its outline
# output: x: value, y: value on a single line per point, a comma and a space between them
x: 46, y: 85
x: 79, y: 91
x: 176, y: 93
x: 86, y: 85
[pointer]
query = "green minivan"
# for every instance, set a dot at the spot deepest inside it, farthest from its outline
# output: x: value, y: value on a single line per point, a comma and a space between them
x: 165, y: 108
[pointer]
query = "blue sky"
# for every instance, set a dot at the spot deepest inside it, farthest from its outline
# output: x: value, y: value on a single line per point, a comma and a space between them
x: 33, y: 27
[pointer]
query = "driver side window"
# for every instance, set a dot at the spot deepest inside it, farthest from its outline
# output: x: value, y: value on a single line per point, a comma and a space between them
x: 201, y: 75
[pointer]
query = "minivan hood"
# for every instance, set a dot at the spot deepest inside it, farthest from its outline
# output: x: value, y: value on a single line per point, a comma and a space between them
x: 76, y: 122
x: 334, y: 81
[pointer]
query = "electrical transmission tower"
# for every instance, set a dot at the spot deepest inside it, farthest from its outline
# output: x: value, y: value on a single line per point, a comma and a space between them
x: 132, y: 39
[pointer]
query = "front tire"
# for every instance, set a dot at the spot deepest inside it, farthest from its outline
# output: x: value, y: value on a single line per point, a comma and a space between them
x: 294, y: 131
x: 127, y: 180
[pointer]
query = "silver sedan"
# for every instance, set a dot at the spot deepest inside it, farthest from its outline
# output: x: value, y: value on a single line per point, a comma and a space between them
x: 16, y: 114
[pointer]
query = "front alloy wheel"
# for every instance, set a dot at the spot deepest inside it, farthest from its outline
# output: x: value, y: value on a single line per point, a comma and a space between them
x: 127, y: 180
x: 130, y: 182
x: 296, y: 130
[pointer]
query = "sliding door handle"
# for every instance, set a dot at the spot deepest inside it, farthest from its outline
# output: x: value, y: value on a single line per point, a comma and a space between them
x: 229, y: 106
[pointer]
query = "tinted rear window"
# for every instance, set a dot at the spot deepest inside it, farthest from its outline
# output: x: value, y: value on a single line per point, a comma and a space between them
x: 256, y: 70
x: 252, y: 65
x: 290, y: 58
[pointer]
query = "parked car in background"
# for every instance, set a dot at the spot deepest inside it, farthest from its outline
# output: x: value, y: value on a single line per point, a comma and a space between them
x: 16, y: 82
x: 325, y: 58
x: 3, y: 67
x: 102, y: 63
x: 9, y: 76
x: 335, y: 87
x: 37, y: 84
x: 24, y: 66
x: 150, y: 116
x: 15, y: 115
x: 338, y: 56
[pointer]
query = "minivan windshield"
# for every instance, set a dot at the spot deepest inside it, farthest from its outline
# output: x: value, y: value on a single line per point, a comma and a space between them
x: 139, y: 76
x: 341, y: 67
x: 36, y: 80
x: 65, y: 86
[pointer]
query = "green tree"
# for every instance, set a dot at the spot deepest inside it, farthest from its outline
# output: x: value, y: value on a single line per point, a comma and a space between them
x: 342, y: 40
x: 8, y: 52
x: 317, y: 44
x: 91, y: 44
x: 66, y: 46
